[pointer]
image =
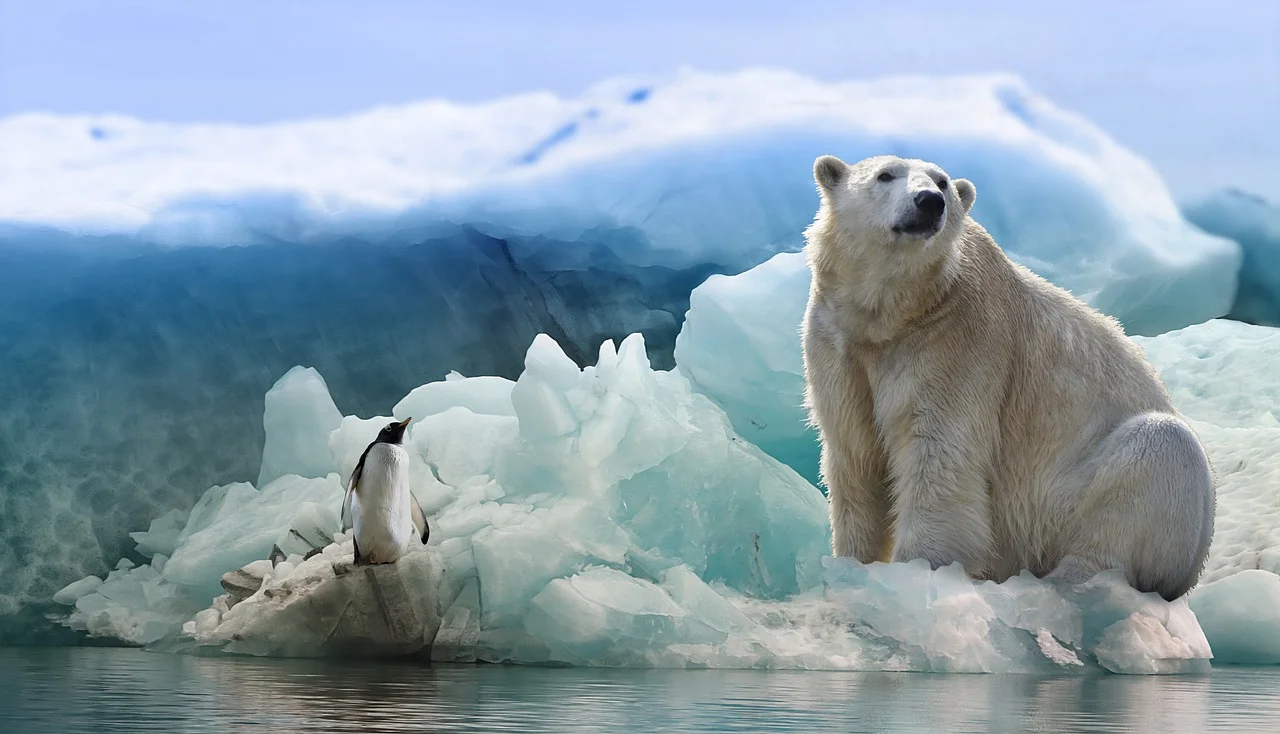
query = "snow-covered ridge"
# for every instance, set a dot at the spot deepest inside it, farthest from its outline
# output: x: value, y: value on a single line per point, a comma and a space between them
x: 120, y: 172
x: 701, y: 167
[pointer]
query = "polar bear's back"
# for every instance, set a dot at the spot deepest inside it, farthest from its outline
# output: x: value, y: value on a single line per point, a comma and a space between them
x: 1071, y: 377
x: 1069, y: 351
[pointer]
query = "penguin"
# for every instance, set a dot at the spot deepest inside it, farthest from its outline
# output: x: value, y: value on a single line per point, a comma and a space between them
x: 378, y: 506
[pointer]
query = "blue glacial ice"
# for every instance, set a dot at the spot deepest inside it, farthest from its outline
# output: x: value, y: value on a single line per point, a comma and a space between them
x: 600, y: 516
x: 1254, y: 223
x: 740, y: 346
x: 158, y: 278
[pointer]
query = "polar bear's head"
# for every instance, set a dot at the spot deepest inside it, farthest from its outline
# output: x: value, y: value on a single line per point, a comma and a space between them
x: 895, y: 200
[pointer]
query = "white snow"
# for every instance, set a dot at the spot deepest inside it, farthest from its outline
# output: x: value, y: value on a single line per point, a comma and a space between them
x: 1222, y: 376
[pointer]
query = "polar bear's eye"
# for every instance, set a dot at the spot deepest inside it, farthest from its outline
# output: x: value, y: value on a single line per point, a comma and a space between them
x: 885, y: 177
x: 942, y: 184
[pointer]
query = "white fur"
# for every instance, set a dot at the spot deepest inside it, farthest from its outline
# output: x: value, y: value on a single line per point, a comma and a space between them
x: 380, y: 511
x: 972, y: 412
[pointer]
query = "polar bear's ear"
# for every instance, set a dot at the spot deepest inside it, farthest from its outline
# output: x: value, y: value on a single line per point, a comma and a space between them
x: 967, y: 192
x: 829, y: 171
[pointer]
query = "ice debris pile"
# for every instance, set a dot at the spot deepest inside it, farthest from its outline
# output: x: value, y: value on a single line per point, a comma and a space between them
x: 617, y: 470
x: 599, y: 516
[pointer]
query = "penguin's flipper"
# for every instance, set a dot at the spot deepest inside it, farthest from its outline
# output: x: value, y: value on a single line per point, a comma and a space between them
x: 347, y: 522
x: 358, y: 561
x: 352, y: 483
x: 419, y: 519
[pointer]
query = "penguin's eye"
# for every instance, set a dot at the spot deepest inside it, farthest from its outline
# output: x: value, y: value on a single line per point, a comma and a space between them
x: 885, y: 177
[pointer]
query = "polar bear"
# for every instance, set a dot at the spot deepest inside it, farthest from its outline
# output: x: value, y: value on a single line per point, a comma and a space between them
x: 972, y: 412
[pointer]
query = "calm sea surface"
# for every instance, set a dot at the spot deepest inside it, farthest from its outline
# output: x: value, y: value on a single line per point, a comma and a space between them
x: 122, y: 690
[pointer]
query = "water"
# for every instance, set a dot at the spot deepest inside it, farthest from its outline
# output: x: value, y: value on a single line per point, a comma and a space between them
x: 103, y: 690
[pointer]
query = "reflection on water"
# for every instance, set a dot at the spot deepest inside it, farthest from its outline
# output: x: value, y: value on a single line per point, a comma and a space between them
x: 116, y: 690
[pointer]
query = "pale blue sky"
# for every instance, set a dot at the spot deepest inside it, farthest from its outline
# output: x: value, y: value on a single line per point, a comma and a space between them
x: 1193, y: 86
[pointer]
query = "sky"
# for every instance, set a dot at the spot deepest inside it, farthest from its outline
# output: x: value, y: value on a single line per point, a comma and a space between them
x: 1192, y: 86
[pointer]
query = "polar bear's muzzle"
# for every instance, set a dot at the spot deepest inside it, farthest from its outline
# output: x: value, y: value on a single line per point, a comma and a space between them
x: 925, y: 217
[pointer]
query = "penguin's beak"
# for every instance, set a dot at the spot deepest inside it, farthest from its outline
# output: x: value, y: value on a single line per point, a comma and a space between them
x: 405, y: 422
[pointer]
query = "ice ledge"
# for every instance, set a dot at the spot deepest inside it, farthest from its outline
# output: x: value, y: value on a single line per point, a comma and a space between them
x: 944, y: 621
x: 324, y: 606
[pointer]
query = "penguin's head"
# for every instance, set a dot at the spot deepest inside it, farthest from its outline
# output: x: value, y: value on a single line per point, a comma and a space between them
x: 394, y: 432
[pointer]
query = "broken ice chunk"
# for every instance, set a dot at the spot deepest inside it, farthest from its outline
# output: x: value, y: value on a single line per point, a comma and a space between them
x: 1240, y: 614
x: 72, y: 592
x: 298, y: 419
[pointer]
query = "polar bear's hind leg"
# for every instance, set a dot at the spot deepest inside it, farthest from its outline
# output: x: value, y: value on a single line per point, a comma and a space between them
x: 1147, y: 510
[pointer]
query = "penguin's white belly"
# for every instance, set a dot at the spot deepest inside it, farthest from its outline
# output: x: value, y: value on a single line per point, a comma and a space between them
x: 380, y: 514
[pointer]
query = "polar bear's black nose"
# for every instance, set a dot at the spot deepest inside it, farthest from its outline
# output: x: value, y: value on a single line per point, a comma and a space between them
x: 930, y: 203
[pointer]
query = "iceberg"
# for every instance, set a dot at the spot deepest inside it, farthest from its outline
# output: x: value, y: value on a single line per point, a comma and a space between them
x: 137, y: 379
x: 607, y: 516
x: 943, y: 621
x: 159, y: 277
x: 700, y: 167
x: 246, y: 524
x: 1254, y: 223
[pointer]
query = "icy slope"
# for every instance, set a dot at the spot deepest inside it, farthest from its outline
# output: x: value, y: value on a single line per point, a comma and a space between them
x: 400, y: 243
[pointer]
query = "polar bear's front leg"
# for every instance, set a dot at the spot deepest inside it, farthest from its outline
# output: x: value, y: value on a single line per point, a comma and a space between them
x: 853, y: 465
x: 853, y: 472
x: 941, y: 496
